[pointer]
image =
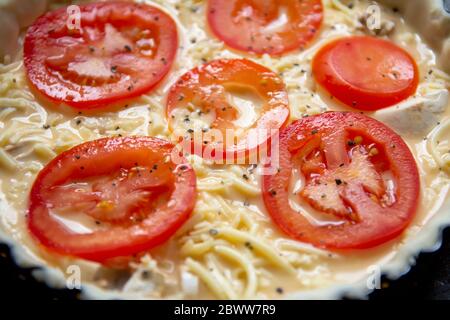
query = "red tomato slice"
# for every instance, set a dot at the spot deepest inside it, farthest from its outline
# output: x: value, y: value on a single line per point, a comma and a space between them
x: 206, y: 87
x: 130, y: 186
x: 272, y: 27
x: 123, y: 50
x: 366, y: 73
x: 344, y: 158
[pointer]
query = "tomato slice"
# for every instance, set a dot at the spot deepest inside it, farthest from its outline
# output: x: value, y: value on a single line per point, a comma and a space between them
x: 122, y: 50
x: 274, y: 27
x: 129, y: 186
x: 356, y: 171
x: 366, y: 73
x: 204, y: 95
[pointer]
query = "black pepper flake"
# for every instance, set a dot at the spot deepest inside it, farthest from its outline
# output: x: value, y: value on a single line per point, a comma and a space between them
x: 127, y: 48
x: 245, y: 176
x: 249, y: 245
x: 190, y: 130
x: 183, y: 167
x: 78, y: 122
x: 351, y: 143
x: 273, y: 193
x: 164, y: 61
x: 114, y: 69
x: 338, y: 181
x: 145, y: 274
x: 279, y: 290
x: 77, y: 156
x: 46, y: 126
x: 314, y: 131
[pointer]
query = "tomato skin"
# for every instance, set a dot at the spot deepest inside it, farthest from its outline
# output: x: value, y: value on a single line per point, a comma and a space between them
x: 105, y: 156
x: 106, y: 62
x: 366, y: 73
x: 377, y: 224
x: 228, y: 21
x: 202, y: 85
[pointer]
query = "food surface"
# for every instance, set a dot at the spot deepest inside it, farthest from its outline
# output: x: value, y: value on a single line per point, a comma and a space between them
x: 139, y: 195
x: 342, y: 158
x: 390, y: 73
x: 90, y: 121
x: 122, y: 51
x: 214, y: 88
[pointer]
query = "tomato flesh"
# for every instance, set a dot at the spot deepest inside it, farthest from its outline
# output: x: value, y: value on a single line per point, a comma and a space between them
x: 343, y: 157
x: 272, y: 27
x: 206, y: 87
x: 130, y: 186
x: 366, y: 73
x: 121, y: 50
